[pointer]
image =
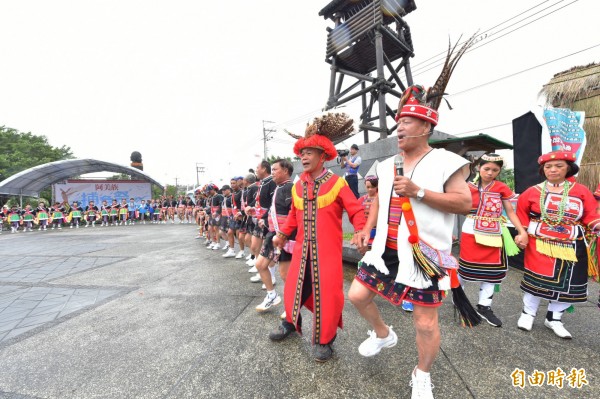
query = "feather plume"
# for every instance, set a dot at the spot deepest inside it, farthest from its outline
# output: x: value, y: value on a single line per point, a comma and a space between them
x: 292, y: 134
x: 435, y: 93
x: 334, y: 126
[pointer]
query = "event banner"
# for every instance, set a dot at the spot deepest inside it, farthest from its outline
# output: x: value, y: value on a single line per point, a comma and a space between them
x: 84, y: 191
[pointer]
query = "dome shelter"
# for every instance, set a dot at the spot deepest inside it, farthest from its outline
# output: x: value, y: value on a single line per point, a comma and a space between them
x: 33, y: 180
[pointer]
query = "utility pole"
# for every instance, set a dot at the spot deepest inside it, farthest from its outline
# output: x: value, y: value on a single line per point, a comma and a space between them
x: 176, y: 186
x: 266, y: 137
x: 199, y: 170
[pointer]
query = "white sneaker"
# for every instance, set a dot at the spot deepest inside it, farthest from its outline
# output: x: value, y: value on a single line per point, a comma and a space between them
x: 373, y: 345
x: 558, y: 328
x: 251, y: 262
x: 421, y: 385
x: 256, y: 278
x: 249, y: 256
x: 215, y: 246
x: 253, y: 269
x: 283, y: 315
x: 229, y: 254
x: 226, y: 246
x: 268, y: 302
x: 240, y: 255
x: 264, y: 287
x: 71, y: 227
x: 525, y: 322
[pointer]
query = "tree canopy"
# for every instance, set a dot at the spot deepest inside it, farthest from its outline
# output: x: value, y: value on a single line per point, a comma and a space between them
x: 22, y: 151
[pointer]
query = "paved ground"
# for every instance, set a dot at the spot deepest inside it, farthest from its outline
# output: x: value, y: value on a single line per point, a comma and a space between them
x: 148, y: 312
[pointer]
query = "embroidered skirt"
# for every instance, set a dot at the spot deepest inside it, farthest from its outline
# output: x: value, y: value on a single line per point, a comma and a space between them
x: 563, y: 281
x: 479, y: 262
x: 386, y: 286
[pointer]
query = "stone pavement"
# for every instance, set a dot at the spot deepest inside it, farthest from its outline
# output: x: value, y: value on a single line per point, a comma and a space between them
x: 149, y: 312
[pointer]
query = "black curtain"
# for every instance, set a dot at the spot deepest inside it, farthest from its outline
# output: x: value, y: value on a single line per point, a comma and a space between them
x: 527, y: 142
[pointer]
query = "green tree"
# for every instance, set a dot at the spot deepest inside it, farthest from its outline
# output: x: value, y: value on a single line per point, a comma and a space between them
x: 22, y: 151
x: 273, y: 158
x: 171, y: 190
x: 507, y: 176
x: 120, y: 176
x: 157, y: 192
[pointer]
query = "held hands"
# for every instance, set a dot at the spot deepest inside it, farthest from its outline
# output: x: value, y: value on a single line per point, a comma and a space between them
x: 278, y: 242
x: 361, y: 240
x: 521, y: 240
x: 261, y: 223
x: 404, y: 187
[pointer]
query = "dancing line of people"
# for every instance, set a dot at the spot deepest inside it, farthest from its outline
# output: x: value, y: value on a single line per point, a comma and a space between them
x: 61, y: 214
x: 403, y: 227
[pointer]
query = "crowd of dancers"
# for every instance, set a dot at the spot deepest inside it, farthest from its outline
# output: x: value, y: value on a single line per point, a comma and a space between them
x: 403, y: 228
x: 264, y: 219
x: 163, y: 210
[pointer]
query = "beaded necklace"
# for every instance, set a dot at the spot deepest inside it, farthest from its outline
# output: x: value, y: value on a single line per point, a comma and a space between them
x: 561, y: 207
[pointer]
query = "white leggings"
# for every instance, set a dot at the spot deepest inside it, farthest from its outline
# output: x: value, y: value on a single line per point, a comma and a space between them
x: 486, y: 292
x: 532, y: 303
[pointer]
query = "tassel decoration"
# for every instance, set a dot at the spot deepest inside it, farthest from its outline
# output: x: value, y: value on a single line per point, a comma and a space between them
x: 428, y: 268
x: 592, y: 250
x: 564, y: 251
x: 468, y: 315
x: 570, y: 309
x: 497, y: 288
x: 510, y: 247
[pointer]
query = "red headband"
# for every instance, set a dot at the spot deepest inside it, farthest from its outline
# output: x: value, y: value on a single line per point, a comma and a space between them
x: 557, y: 156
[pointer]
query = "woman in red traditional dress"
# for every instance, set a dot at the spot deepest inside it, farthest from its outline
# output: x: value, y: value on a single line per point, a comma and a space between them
x: 558, y: 214
x: 483, y: 253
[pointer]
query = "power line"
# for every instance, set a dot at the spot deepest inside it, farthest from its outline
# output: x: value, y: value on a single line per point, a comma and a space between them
x: 303, y: 117
x: 483, y: 128
x: 440, y: 62
x: 417, y: 65
x: 524, y: 70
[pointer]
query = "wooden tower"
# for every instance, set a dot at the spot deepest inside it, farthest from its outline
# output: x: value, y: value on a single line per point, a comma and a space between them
x: 370, y: 43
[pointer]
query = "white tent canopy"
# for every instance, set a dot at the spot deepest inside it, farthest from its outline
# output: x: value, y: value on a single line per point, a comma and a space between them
x: 31, y: 181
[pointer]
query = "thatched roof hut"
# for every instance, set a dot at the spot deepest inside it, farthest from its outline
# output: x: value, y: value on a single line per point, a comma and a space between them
x: 579, y: 90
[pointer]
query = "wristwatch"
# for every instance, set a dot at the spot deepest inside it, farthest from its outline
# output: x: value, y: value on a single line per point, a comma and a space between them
x: 420, y: 194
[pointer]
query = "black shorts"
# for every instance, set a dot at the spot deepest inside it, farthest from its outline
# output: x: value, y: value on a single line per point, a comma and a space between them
x: 268, y: 251
x: 250, y: 225
x: 214, y: 221
x: 224, y: 223
x: 260, y: 232
x: 234, y: 224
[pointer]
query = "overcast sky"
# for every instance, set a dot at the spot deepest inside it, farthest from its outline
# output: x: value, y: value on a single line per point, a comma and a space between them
x: 185, y: 81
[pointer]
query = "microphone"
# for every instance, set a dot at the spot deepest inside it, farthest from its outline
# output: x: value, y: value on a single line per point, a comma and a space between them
x: 417, y: 135
x: 399, y: 163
